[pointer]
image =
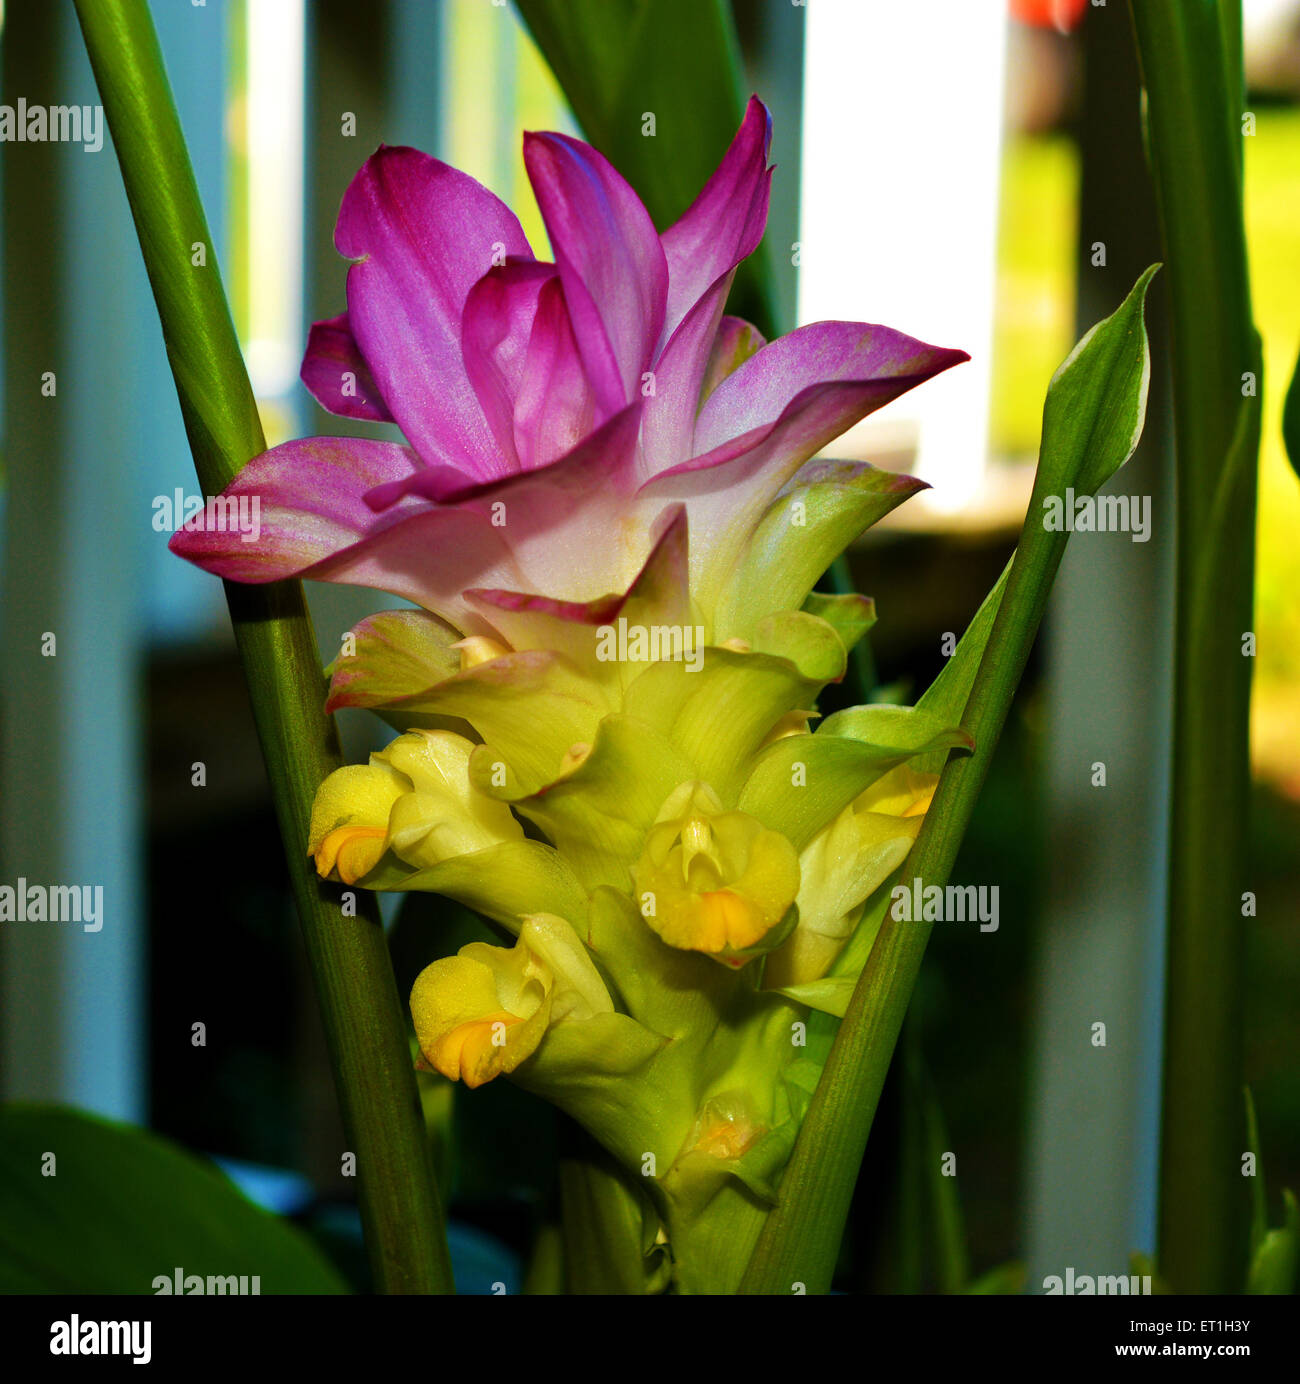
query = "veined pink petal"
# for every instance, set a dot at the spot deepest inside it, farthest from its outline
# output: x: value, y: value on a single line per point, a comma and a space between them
x: 678, y: 380
x: 555, y: 407
x: 306, y: 498
x: 571, y: 526
x: 312, y: 521
x: 661, y: 582
x: 497, y: 326
x: 725, y: 222
x: 728, y: 488
x: 884, y: 362
x: 735, y: 342
x: 610, y: 261
x: 657, y: 595
x: 423, y: 234
x: 337, y: 376
x: 430, y: 556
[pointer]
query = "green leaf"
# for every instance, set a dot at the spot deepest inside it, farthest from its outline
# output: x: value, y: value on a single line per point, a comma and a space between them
x: 1291, y: 420
x: 945, y: 1204
x: 1008, y: 1278
x: 1258, y: 1191
x: 1097, y: 402
x: 1273, y: 1265
x: 1274, y: 1254
x: 1105, y: 381
x: 947, y: 695
x: 678, y: 60
x: 1142, y: 1265
x: 90, y: 1206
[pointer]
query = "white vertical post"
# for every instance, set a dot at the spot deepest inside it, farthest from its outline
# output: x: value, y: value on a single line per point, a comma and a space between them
x: 901, y: 156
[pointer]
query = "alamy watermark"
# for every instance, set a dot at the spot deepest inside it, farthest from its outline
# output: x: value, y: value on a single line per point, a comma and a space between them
x: 75, y: 1337
x: 1103, y: 1285
x: 179, y: 1283
x: 24, y: 124
x: 952, y: 903
x: 241, y: 514
x: 53, y: 903
x: 1130, y: 514
x: 624, y: 643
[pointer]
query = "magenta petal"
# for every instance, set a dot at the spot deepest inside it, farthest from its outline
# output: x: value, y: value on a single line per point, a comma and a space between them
x: 497, y: 327
x: 725, y: 222
x: 610, y: 261
x: 878, y: 362
x: 423, y: 234
x: 597, y: 612
x: 727, y: 488
x: 571, y: 526
x: 430, y: 556
x: 312, y: 521
x: 555, y: 407
x: 679, y: 378
x: 735, y: 342
x: 337, y: 376
x: 656, y: 594
x: 661, y: 583
x: 307, y: 499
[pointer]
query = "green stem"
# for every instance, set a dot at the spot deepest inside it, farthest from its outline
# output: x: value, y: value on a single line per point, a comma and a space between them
x: 799, y: 1241
x: 365, y: 1022
x: 1191, y: 67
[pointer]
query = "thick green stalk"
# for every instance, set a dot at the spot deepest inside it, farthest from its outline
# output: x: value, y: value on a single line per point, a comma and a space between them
x: 364, y: 1020
x: 798, y: 1244
x: 1092, y: 420
x: 1190, y: 57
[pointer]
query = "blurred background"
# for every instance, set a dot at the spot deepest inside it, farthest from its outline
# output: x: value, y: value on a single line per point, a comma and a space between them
x: 971, y: 173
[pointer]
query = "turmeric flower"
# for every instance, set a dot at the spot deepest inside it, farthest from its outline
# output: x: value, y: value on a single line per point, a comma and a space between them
x: 608, y: 516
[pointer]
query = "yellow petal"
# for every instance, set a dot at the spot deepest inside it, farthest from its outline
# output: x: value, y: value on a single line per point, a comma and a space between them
x: 481, y: 1012
x: 474, y: 1052
x: 901, y: 793
x: 713, y: 881
x: 357, y: 794
x: 478, y: 648
x: 445, y: 815
x: 353, y: 851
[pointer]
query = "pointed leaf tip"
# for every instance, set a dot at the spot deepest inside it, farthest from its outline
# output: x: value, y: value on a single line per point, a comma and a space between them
x: 1096, y: 402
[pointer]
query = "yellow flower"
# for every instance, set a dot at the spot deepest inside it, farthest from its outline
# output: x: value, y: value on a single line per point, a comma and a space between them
x: 714, y: 881
x: 845, y: 863
x: 485, y: 1010
x: 415, y: 798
